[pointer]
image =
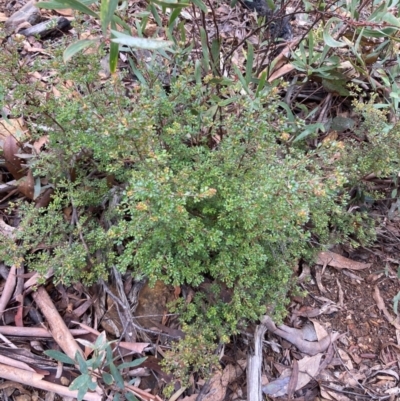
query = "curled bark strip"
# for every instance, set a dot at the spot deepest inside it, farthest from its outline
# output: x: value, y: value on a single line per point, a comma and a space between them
x: 8, y: 290
x: 295, y: 337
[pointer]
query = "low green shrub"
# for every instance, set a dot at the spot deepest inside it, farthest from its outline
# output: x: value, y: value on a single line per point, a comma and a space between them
x: 170, y: 185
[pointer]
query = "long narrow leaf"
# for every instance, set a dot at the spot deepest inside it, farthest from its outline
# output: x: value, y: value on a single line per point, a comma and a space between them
x: 119, y: 381
x: 261, y: 83
x: 137, y: 72
x: 76, y: 47
x: 204, y: 47
x: 107, y: 9
x: 249, y: 63
x: 121, y: 23
x: 197, y: 72
x: 114, y: 51
x: 201, y: 5
x: 215, y: 53
x: 328, y: 37
x: 155, y: 14
x: 171, y: 4
x: 74, y: 4
x: 140, y: 43
x: 241, y: 79
x: 311, y: 129
x: 132, y: 364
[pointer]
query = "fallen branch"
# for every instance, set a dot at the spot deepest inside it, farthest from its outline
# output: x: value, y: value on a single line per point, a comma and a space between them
x: 36, y: 380
x: 254, y: 362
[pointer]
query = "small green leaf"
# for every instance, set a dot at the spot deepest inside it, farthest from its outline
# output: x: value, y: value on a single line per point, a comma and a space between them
x: 226, y: 102
x: 81, y: 393
x: 81, y: 381
x: 92, y: 385
x: 82, y: 363
x: 117, y: 376
x: 101, y: 341
x: 108, y: 379
x: 290, y: 115
x: 335, y: 86
x: 59, y: 356
x: 310, y: 130
x: 76, y: 47
x: 130, y: 397
x: 132, y: 364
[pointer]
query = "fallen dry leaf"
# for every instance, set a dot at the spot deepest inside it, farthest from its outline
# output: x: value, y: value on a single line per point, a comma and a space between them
x: 13, y: 164
x: 26, y: 185
x: 307, y: 369
x: 340, y: 262
x: 13, y: 126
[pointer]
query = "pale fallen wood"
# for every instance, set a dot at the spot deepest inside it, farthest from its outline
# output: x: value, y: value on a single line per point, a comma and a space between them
x: 36, y: 380
x: 35, y: 278
x: 7, y: 290
x: 382, y: 307
x: 16, y: 364
x: 35, y: 332
x: 144, y: 395
x: 58, y: 328
x: 6, y: 230
x: 29, y: 14
x: 49, y: 27
x: 254, y: 362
